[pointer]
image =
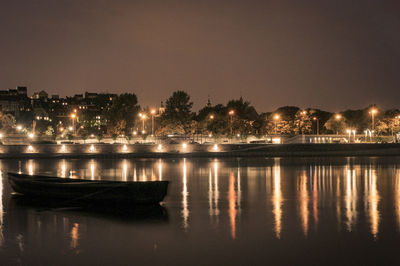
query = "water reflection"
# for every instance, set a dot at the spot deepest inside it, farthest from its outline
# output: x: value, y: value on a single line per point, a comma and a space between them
x: 160, y: 169
x: 231, y: 194
x: 232, y: 198
x: 31, y: 167
x: 213, y: 192
x: 74, y: 236
x: 315, y: 184
x: 372, y: 200
x: 351, y: 198
x: 1, y: 208
x: 304, y: 200
x: 277, y: 199
x: 185, y: 194
x: 397, y: 196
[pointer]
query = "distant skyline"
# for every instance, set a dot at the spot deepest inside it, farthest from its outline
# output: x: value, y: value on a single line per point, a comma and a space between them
x: 332, y: 55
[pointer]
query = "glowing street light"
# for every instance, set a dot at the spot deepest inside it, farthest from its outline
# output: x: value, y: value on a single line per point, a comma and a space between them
x: 303, y: 114
x: 338, y: 117
x: 143, y: 117
x: 19, y: 127
x: 373, y: 111
x: 231, y: 114
x: 276, y: 118
x: 152, y: 112
x: 317, y: 120
x: 211, y: 117
x: 73, y: 117
x: 31, y: 135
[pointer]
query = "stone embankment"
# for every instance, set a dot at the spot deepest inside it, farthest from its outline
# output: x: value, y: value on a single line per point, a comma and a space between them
x: 194, y: 150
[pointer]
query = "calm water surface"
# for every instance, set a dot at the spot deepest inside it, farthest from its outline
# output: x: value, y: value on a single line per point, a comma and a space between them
x: 306, y: 211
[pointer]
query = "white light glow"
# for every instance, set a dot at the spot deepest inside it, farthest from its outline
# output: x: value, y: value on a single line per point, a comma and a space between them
x: 276, y: 140
x: 92, y: 149
x: 63, y: 148
x: 124, y: 148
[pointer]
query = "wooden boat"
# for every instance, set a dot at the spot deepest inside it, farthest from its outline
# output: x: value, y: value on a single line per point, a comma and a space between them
x: 92, y: 191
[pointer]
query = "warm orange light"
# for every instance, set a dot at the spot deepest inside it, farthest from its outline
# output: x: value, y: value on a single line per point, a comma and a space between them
x: 314, y: 118
x: 153, y: 111
x: 304, y: 112
x: 211, y: 117
x: 231, y: 112
x: 73, y: 115
x: 373, y: 111
x: 338, y: 117
x: 276, y: 117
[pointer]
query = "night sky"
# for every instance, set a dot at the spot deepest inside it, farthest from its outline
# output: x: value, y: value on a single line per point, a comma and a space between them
x: 332, y: 55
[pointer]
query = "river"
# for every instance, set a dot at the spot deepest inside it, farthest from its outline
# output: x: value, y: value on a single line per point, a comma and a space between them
x: 252, y: 211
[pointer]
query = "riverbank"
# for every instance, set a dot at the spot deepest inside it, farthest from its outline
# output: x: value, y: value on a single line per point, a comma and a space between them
x: 195, y: 150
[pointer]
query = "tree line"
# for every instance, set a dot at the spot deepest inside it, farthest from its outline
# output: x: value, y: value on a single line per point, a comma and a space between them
x: 239, y: 118
x: 124, y: 116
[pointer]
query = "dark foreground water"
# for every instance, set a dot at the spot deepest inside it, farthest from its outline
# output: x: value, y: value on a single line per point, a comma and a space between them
x: 307, y: 211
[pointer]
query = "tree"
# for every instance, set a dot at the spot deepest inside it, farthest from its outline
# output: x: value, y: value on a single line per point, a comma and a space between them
x: 336, y: 125
x: 122, y: 114
x: 49, y: 131
x: 303, y: 122
x: 177, y: 112
x: 7, y: 122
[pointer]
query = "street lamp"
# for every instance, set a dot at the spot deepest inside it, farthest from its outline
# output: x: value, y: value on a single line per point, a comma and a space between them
x: 303, y: 114
x: 231, y: 114
x: 373, y: 111
x: 317, y: 120
x: 276, y: 118
x: 143, y: 117
x: 73, y: 116
x: 338, y: 117
x: 153, y: 112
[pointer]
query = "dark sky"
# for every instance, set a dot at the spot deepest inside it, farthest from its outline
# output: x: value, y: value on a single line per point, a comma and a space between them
x: 334, y: 54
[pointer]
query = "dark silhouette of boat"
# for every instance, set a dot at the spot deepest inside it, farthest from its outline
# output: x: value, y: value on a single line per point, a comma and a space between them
x: 102, y: 192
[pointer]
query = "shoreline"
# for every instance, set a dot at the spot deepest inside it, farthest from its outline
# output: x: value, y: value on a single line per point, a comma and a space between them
x: 50, y: 151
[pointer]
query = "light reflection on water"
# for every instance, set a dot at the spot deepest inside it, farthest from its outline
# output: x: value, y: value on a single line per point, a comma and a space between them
x: 238, y: 196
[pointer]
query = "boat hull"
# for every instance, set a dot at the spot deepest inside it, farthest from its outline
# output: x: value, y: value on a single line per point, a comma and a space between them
x: 105, y: 192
